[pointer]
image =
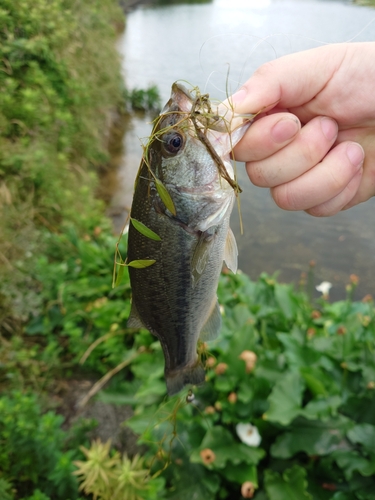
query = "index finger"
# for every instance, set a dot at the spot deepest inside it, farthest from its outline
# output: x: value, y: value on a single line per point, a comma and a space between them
x: 289, y: 81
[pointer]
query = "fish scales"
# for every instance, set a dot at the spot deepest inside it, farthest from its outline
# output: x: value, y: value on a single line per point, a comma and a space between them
x: 175, y: 297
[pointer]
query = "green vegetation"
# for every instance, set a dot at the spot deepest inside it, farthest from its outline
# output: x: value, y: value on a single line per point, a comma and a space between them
x: 298, y: 375
x: 366, y: 3
x: 58, y: 85
x: 302, y: 374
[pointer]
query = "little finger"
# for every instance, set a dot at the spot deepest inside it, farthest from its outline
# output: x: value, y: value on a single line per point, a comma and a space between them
x: 323, y: 182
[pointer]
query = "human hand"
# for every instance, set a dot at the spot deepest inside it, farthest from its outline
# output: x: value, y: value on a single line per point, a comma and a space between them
x: 327, y: 164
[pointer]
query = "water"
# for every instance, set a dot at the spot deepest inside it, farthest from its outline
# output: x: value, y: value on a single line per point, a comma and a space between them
x: 198, y: 42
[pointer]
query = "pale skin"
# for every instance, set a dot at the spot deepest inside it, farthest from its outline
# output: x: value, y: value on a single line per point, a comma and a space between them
x: 314, y: 144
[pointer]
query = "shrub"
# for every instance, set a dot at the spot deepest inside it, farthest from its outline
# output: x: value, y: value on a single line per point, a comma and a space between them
x: 33, y: 451
x: 301, y: 376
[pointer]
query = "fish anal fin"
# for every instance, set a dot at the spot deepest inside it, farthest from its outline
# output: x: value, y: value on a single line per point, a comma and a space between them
x: 231, y: 252
x: 190, y: 375
x: 211, y: 328
x: 134, y: 320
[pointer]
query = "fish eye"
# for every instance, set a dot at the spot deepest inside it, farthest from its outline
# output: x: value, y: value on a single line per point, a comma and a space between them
x: 172, y: 142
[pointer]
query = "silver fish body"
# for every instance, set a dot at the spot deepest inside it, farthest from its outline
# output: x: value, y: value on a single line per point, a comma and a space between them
x: 175, y: 297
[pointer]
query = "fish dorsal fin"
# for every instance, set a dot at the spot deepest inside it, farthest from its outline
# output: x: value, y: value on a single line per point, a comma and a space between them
x: 231, y: 252
x: 134, y: 320
x: 211, y: 328
x: 201, y: 254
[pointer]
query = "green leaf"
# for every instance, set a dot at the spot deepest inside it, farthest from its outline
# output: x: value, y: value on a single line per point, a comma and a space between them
x: 165, y: 196
x: 283, y: 298
x: 141, y: 264
x: 241, y: 474
x: 313, y: 383
x: 311, y: 437
x: 291, y: 485
x: 351, y: 461
x: 226, y: 449
x: 120, y: 275
x: 194, y: 481
x: 146, y: 231
x: 339, y: 495
x: 363, y: 434
x: 285, y: 399
x: 322, y: 408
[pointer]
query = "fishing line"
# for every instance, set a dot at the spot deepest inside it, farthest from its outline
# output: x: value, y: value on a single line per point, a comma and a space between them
x: 362, y: 30
x: 230, y: 79
x: 233, y: 83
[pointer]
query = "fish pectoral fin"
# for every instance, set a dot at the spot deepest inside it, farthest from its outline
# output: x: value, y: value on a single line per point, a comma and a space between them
x: 231, y: 252
x: 134, y: 320
x: 201, y: 254
x: 211, y: 328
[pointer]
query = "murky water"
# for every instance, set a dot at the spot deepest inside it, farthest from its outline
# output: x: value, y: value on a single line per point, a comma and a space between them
x: 203, y: 43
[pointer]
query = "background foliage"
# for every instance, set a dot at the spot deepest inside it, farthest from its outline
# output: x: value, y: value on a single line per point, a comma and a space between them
x: 57, y: 88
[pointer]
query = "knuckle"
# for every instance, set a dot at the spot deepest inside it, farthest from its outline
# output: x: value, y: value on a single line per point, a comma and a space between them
x: 285, y: 197
x: 256, y: 175
x: 336, y: 181
x: 320, y: 211
x: 265, y: 69
x: 309, y: 153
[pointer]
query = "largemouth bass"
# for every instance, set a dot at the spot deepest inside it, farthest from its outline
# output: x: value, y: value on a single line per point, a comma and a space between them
x: 179, y: 230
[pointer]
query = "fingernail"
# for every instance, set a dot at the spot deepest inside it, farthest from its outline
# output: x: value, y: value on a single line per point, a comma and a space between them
x: 329, y: 128
x: 239, y: 96
x: 285, y: 129
x: 355, y: 153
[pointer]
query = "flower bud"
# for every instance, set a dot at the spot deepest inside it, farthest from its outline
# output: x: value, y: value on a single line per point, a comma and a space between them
x: 232, y: 398
x: 210, y: 362
x: 218, y: 406
x: 221, y: 368
x: 207, y: 456
x: 247, y: 489
x: 250, y: 359
x: 310, y: 332
x: 209, y: 410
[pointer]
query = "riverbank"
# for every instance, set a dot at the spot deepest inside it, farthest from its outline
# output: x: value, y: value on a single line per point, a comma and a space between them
x: 128, y: 5
x: 56, y: 101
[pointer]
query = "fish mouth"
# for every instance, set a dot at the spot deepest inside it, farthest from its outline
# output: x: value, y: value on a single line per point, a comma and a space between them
x: 180, y: 98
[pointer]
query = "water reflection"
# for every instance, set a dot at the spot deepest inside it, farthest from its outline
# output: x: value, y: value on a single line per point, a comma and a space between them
x: 199, y: 42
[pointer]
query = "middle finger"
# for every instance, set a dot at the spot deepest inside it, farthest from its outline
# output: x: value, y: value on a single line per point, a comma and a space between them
x: 308, y: 148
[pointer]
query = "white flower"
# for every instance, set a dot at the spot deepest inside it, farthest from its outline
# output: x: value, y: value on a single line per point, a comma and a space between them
x: 248, y: 434
x: 324, y: 287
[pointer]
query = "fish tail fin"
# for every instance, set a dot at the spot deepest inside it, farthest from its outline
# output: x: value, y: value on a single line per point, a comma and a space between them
x: 178, y: 379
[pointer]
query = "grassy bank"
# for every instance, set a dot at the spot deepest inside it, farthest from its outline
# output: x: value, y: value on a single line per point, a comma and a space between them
x: 58, y: 86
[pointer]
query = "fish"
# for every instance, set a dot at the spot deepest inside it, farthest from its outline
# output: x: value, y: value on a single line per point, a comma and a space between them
x: 179, y: 232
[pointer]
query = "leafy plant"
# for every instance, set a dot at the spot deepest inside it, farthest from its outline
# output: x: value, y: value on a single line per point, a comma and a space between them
x: 57, y: 87
x: 302, y: 375
x: 114, y: 477
x: 143, y: 99
x: 33, y: 450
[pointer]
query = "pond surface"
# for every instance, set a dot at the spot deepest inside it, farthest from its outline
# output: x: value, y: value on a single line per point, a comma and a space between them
x: 205, y: 42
